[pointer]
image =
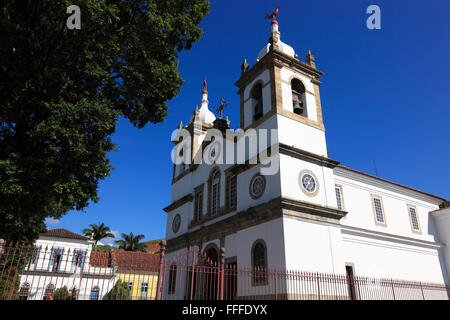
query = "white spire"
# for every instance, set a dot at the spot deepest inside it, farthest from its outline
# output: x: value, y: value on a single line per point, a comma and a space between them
x: 203, y: 114
x: 276, y: 37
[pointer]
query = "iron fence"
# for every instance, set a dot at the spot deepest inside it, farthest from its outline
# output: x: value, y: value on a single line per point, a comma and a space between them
x: 36, y: 273
x: 192, y: 275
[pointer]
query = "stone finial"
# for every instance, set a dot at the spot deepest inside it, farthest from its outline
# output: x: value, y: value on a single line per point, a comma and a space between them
x: 310, y: 59
x: 180, y: 126
x: 244, y: 66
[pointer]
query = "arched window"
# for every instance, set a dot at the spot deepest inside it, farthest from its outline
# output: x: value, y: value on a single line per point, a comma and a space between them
x: 172, y: 279
x: 212, y: 255
x: 259, y: 263
x: 298, y: 97
x: 23, y: 292
x: 49, y: 290
x: 211, y: 269
x: 256, y: 95
x: 95, y: 293
x: 214, y: 195
x: 182, y: 164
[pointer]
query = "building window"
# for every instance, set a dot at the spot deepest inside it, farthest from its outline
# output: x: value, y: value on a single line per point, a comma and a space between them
x: 377, y: 205
x: 257, y: 186
x: 78, y: 258
x: 35, y: 256
x: 74, y: 293
x: 298, y: 97
x: 198, y: 205
x: 49, y: 290
x: 130, y: 286
x: 339, y: 197
x: 172, y: 279
x: 144, y: 290
x: 95, y: 293
x: 215, y: 193
x: 232, y: 192
x: 259, y: 263
x: 256, y: 95
x: 182, y: 165
x: 55, y: 259
x: 23, y: 292
x: 414, y: 218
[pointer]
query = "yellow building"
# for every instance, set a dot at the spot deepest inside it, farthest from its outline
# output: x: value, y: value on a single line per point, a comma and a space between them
x: 139, y: 270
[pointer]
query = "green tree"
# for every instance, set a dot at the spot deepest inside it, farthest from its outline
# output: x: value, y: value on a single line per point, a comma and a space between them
x: 120, y: 291
x: 98, y: 232
x: 62, y: 92
x: 61, y: 293
x: 131, y: 242
x: 444, y: 204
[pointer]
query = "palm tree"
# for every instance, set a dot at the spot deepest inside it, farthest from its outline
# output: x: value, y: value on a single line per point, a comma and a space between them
x: 131, y: 242
x: 98, y: 232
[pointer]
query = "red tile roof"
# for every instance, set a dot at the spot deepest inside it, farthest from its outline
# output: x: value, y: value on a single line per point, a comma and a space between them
x: 394, y: 183
x: 63, y: 233
x: 152, y: 247
x: 135, y: 261
x: 100, y: 259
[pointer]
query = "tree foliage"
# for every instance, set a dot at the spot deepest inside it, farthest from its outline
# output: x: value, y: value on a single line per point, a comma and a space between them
x: 61, y: 293
x: 132, y: 242
x: 62, y: 92
x: 120, y: 291
x: 98, y: 232
x: 444, y: 204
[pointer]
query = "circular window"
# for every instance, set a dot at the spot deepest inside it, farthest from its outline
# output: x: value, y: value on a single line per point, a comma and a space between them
x: 214, y: 152
x: 176, y: 223
x: 257, y: 186
x: 308, y: 183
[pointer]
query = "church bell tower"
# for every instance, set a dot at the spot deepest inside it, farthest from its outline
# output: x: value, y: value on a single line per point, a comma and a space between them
x: 282, y: 92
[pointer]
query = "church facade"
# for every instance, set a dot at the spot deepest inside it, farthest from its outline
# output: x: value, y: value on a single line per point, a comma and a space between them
x: 309, y: 214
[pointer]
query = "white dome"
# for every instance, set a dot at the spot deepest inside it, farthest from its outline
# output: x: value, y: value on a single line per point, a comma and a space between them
x: 204, y: 115
x: 283, y: 47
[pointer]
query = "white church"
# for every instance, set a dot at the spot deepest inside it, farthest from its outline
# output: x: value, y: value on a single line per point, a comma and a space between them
x: 309, y: 214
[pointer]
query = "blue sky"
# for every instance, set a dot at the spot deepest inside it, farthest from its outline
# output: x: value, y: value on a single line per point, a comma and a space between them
x: 385, y: 98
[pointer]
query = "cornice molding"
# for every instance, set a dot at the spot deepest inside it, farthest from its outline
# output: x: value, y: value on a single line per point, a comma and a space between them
x: 307, y: 156
x: 276, y: 208
x: 178, y: 203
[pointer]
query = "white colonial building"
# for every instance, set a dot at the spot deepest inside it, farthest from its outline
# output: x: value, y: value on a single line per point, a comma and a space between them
x: 285, y: 203
x: 63, y: 258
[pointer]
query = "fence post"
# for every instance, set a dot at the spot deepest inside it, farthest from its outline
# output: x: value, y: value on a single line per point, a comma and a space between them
x: 276, y: 280
x: 193, y: 273
x: 392, y: 285
x: 318, y: 284
x: 162, y: 246
x: 222, y: 266
x: 421, y: 289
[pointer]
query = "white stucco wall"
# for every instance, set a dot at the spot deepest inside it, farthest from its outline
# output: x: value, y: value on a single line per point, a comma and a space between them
x: 301, y: 136
x: 380, y: 257
x: 290, y: 169
x: 357, y: 191
x: 441, y: 219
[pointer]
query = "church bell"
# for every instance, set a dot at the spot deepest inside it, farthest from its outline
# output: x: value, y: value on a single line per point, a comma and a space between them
x: 298, y: 106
